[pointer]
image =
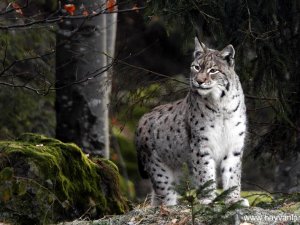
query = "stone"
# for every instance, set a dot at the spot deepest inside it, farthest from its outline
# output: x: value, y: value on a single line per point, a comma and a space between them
x: 43, y: 180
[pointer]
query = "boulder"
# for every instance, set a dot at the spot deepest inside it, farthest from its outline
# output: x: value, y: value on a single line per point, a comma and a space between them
x: 43, y: 180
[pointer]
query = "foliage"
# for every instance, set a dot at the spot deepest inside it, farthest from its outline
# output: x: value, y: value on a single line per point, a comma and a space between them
x: 283, y: 201
x: 131, y: 105
x: 123, y: 152
x: 215, y: 212
x: 39, y: 184
x: 27, y: 60
x: 128, y: 153
x: 23, y: 111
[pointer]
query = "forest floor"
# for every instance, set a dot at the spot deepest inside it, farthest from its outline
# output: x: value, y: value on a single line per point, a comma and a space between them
x: 181, y: 215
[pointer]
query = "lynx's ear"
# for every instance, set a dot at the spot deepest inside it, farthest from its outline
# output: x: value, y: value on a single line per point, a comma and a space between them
x: 228, y: 54
x: 199, y: 48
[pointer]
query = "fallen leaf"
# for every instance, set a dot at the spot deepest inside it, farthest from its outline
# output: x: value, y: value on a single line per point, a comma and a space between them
x: 183, y: 221
x: 289, y: 204
x: 132, y: 219
x: 163, y: 211
x: 185, y: 211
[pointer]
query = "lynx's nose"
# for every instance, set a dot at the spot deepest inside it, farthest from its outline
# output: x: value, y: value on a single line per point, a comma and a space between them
x: 202, y: 78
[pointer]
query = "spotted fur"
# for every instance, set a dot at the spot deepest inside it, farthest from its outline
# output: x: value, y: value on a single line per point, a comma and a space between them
x: 206, y: 130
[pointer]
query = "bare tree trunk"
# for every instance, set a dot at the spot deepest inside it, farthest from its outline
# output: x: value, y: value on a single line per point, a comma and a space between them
x: 82, y: 109
x: 111, y: 23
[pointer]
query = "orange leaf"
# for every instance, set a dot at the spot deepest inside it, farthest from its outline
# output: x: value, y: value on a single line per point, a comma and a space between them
x: 17, y: 8
x: 70, y: 8
x: 111, y: 5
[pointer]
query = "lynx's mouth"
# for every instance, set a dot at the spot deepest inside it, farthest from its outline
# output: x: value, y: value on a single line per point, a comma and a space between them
x: 203, y: 86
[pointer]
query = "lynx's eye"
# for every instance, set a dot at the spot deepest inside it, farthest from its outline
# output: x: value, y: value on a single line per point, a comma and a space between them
x: 212, y: 71
x: 196, y: 68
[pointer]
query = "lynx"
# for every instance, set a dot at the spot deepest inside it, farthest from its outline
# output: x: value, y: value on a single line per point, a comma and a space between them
x: 206, y: 130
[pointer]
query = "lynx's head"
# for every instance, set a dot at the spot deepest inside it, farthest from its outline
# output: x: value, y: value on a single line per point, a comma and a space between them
x: 212, y: 71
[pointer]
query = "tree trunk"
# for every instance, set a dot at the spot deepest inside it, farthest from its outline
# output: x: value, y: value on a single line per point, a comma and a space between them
x: 82, y: 108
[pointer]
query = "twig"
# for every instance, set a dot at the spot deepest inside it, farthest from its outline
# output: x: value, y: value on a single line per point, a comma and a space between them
x: 265, y: 190
x: 267, y: 98
x: 152, y: 72
x: 260, y: 108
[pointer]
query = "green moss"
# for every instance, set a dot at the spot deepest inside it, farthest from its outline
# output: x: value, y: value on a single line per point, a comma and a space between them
x: 56, y: 181
x: 128, y: 153
x: 257, y: 197
x: 127, y: 188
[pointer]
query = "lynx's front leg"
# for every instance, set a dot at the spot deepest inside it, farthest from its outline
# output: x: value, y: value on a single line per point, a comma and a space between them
x: 204, y: 169
x: 231, y: 175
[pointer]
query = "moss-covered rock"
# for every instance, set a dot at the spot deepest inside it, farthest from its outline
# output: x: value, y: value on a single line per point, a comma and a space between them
x: 44, y: 180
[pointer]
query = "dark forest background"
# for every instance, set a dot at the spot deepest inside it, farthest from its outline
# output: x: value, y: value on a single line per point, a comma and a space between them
x: 154, y: 43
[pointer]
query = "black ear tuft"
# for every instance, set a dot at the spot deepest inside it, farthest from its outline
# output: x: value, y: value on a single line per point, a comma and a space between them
x: 228, y: 54
x: 199, y: 48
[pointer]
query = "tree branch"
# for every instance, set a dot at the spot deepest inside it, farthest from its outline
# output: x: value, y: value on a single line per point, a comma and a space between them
x: 50, y: 20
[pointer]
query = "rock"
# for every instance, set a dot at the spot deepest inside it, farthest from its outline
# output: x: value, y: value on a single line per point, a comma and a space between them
x: 44, y: 180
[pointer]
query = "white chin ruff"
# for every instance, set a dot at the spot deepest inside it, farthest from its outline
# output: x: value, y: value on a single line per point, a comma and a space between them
x: 204, y: 91
x: 205, y: 88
